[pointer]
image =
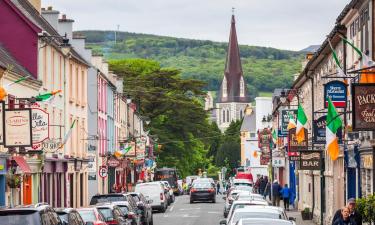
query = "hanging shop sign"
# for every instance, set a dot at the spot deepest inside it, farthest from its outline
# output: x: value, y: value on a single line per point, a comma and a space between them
x: 285, y: 116
x: 310, y: 160
x: 320, y: 131
x: 293, y: 145
x: 40, y: 127
x: 363, y: 106
x: 337, y: 91
x: 17, y: 126
x: 293, y: 156
x: 2, y: 133
x: 264, y: 138
x: 264, y: 159
x: 278, y: 161
x: 112, y: 162
x: 91, y: 165
x: 51, y: 145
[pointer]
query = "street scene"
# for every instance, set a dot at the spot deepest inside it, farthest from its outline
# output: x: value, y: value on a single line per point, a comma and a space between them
x: 187, y: 112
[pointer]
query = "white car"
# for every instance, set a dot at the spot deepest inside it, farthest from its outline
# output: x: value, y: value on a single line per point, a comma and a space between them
x: 248, y: 196
x: 242, y: 182
x: 242, y: 204
x: 263, y: 221
x: 170, y: 191
x: 256, y: 211
x: 154, y: 191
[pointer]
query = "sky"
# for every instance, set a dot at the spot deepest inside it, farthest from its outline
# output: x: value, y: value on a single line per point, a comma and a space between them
x: 283, y: 24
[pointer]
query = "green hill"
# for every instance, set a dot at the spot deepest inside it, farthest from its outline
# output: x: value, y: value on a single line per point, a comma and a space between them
x: 264, y: 68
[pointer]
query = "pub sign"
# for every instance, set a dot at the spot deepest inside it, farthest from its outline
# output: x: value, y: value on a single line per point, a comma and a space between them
x: 310, y: 160
x: 320, y: 131
x: 285, y: 121
x: 337, y: 91
x: 293, y: 145
x: 363, y: 106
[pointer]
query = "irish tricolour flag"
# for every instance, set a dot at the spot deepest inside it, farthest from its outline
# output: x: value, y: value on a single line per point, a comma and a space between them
x: 333, y: 124
x: 292, y: 124
x: 301, y: 124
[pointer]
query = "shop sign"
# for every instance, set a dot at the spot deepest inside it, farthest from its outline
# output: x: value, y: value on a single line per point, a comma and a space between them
x: 91, y: 166
x: 264, y: 159
x: 113, y: 162
x: 39, y: 125
x: 363, y: 106
x: 293, y: 145
x: 367, y: 161
x: 310, y: 160
x: 285, y: 121
x: 337, y: 91
x: 293, y: 156
x: 2, y: 133
x: 51, y: 145
x: 278, y: 162
x: 320, y: 131
x: 17, y: 126
x: 264, y: 138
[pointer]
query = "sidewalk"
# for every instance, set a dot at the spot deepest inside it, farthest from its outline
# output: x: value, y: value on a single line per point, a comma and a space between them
x: 297, y: 214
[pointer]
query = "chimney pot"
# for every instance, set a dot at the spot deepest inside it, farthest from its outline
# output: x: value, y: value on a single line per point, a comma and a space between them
x: 49, y: 8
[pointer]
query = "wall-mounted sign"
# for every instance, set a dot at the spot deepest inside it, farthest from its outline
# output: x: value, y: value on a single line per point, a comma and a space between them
x: 293, y: 145
x: 91, y: 165
x: 366, y: 161
x: 285, y: 115
x: 264, y: 138
x: 310, y: 160
x: 363, y: 106
x: 337, y: 91
x: 112, y: 162
x: 2, y: 108
x: 39, y: 125
x: 278, y: 161
x: 293, y: 156
x: 17, y: 126
x: 264, y: 159
x: 51, y: 145
x: 320, y: 131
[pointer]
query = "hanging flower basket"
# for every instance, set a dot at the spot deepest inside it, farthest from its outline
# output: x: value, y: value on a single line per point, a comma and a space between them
x: 14, y: 180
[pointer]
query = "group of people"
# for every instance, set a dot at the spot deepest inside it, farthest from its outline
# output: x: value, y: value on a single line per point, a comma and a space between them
x: 347, y: 215
x: 274, y: 192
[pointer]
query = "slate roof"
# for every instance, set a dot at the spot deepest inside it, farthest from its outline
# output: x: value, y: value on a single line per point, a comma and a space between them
x: 249, y: 122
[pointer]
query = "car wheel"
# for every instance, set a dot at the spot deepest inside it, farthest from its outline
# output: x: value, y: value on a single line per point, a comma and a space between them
x: 214, y: 200
x: 163, y: 209
x: 191, y: 201
x: 152, y: 221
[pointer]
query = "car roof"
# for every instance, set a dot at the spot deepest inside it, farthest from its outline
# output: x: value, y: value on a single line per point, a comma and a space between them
x: 257, y: 221
x: 149, y: 183
x: 121, y: 203
x: 259, y: 208
x: 241, y: 180
x: 65, y: 210
x: 111, y: 194
x: 243, y: 202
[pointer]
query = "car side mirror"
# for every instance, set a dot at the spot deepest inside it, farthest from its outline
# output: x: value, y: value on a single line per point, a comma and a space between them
x: 108, y: 219
x: 89, y: 223
x: 292, y: 219
x: 223, y: 222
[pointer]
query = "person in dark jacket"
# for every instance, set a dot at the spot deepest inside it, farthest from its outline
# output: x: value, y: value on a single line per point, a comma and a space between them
x: 353, y: 213
x: 285, y: 193
x: 262, y: 185
x: 276, y: 188
x: 345, y: 218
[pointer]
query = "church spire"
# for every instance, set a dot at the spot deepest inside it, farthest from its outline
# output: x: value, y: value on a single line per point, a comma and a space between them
x: 233, y: 86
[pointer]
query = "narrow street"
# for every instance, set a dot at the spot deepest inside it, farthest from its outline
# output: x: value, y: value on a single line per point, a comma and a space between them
x: 183, y: 213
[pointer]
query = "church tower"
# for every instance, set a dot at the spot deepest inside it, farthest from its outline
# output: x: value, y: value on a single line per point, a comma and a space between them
x: 232, y: 96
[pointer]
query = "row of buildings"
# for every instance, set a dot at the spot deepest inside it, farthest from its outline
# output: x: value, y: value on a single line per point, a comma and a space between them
x: 39, y: 43
x: 319, y: 183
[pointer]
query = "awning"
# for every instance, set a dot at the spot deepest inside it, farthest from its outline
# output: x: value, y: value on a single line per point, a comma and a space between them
x: 21, y: 162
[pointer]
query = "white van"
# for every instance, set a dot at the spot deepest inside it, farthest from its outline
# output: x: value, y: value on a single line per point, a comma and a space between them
x: 155, y: 192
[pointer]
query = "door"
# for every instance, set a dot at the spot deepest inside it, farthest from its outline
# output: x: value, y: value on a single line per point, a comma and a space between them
x: 27, y: 190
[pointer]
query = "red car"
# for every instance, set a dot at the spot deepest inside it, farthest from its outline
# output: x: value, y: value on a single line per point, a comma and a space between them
x: 91, y: 215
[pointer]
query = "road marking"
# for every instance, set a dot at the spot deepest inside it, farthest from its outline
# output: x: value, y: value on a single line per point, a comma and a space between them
x: 214, y: 212
x: 190, y: 209
x: 171, y: 209
x: 187, y: 215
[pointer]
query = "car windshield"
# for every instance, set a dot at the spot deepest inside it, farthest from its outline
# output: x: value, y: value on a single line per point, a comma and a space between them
x: 249, y: 197
x: 147, y: 188
x: 63, y: 216
x: 20, y: 218
x: 124, y: 209
x: 87, y: 215
x: 243, y: 184
x: 240, y: 215
x: 106, y: 212
x: 107, y: 198
x: 202, y: 185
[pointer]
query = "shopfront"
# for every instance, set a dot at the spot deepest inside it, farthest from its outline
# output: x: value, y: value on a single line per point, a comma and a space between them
x: 53, y: 180
x: 3, y: 171
x: 366, y: 171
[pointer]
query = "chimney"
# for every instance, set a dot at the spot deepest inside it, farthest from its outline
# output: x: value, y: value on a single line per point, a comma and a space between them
x: 308, y: 57
x: 65, y: 27
x: 52, y: 16
x: 37, y: 4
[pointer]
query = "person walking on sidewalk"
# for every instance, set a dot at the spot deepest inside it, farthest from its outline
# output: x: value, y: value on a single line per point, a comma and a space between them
x: 285, y: 194
x: 353, y: 213
x: 276, y: 188
x: 218, y: 187
x: 345, y: 218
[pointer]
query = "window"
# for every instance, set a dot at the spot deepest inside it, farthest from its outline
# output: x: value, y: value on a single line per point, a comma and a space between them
x: 83, y: 85
x: 242, y: 88
x: 45, y: 64
x: 76, y: 86
x: 225, y: 91
x: 224, y: 116
x: 60, y: 72
x: 252, y: 135
x: 53, y: 70
x: 71, y: 82
x: 228, y: 115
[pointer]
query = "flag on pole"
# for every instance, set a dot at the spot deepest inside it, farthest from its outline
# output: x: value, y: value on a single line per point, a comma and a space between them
x: 292, y: 124
x: 301, y: 124
x: 274, y: 136
x: 46, y: 96
x: 67, y: 135
x: 340, y: 72
x: 334, y: 122
x: 18, y: 81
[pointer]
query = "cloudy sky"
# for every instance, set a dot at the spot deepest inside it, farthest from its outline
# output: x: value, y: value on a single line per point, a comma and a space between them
x: 285, y: 24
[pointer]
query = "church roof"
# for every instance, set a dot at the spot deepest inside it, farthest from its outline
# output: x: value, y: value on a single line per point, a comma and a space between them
x: 233, y: 70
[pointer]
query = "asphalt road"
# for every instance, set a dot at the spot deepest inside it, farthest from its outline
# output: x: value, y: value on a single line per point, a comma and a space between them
x: 181, y: 212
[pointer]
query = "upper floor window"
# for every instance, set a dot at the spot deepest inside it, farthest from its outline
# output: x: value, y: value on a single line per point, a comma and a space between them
x: 225, y: 90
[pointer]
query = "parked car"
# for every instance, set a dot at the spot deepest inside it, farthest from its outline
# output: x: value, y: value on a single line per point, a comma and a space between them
x: 145, y: 206
x: 113, y: 215
x: 70, y: 216
x: 249, y: 197
x: 242, y: 204
x: 25, y: 215
x: 154, y: 191
x: 242, y: 182
x: 130, y: 212
x: 170, y: 191
x: 115, y: 197
x: 91, y: 215
x: 263, y: 221
x: 231, y: 196
x: 202, y: 191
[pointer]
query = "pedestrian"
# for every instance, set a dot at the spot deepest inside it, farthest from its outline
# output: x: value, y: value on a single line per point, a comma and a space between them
x: 267, y: 191
x: 345, y: 218
x: 285, y: 193
x: 276, y: 188
x: 262, y: 185
x: 114, y: 188
x: 257, y: 185
x: 353, y: 213
x: 218, y: 187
